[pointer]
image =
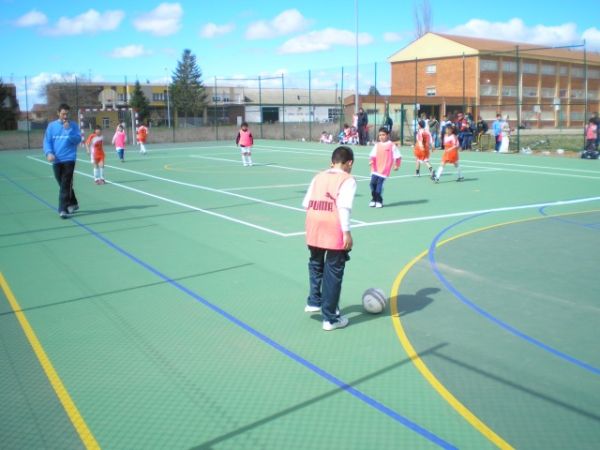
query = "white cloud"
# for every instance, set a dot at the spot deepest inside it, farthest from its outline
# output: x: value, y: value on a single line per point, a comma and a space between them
x: 211, y: 30
x: 163, y: 20
x: 516, y: 30
x: 31, y: 19
x: 129, y: 51
x: 592, y: 38
x: 289, y: 21
x: 392, y: 36
x: 89, y: 22
x: 317, y: 41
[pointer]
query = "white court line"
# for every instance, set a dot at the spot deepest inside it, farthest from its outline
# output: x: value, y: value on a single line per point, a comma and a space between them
x: 175, y: 202
x: 468, y: 213
x: 267, y: 186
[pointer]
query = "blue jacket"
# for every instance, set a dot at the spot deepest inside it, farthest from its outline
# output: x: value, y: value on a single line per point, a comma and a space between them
x: 60, y: 142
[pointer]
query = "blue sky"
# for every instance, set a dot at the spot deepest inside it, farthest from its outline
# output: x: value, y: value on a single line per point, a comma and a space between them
x: 109, y: 40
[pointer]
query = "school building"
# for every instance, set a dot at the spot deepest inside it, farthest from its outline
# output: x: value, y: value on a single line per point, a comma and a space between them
x: 544, y: 87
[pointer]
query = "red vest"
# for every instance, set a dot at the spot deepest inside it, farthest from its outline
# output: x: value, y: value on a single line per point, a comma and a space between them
x: 245, y: 138
x: 323, y: 229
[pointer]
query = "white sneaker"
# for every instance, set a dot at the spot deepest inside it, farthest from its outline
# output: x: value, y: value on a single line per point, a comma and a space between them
x: 378, y: 205
x: 372, y: 204
x: 71, y: 209
x: 341, y: 323
x: 311, y: 309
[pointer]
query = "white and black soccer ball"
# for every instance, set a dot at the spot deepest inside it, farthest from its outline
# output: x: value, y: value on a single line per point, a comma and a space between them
x: 374, y: 300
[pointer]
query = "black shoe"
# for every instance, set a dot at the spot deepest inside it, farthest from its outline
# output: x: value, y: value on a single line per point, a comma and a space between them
x: 460, y: 179
x: 63, y: 215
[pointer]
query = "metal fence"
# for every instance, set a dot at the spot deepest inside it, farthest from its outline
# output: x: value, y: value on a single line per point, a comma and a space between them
x: 304, y: 105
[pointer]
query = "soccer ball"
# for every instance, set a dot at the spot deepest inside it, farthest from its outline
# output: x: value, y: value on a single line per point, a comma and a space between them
x: 374, y: 300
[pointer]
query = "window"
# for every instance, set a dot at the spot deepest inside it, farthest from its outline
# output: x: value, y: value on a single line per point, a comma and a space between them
x: 577, y: 72
x: 489, y: 89
x: 562, y: 93
x: 430, y: 91
x: 333, y: 114
x: 121, y: 97
x: 563, y: 70
x: 431, y: 68
x: 509, y: 91
x: 593, y: 95
x: 372, y: 111
x: 220, y: 98
x: 548, y: 70
x: 158, y: 97
x: 105, y: 122
x: 488, y: 65
x: 577, y: 93
x: 593, y: 73
x: 509, y: 66
x: 548, y: 92
x: 530, y: 68
x: 529, y: 91
x: 576, y: 115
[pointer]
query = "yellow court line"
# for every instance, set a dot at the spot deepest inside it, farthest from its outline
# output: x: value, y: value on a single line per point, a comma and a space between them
x: 416, y: 359
x: 84, y: 432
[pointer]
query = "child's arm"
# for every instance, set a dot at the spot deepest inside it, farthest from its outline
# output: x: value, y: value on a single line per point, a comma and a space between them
x: 237, y: 139
x: 397, y: 158
x: 251, y: 139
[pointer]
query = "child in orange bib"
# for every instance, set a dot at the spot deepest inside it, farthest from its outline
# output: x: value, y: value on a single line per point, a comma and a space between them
x: 95, y: 147
x: 450, y: 155
x: 422, y: 148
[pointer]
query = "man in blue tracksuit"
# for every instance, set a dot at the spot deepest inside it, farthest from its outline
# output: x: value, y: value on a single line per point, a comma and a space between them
x: 60, y: 147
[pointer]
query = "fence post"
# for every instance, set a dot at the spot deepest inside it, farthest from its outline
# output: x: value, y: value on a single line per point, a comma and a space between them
x: 215, y: 101
x: 375, y: 121
x: 283, y: 102
x: 260, y: 111
x: 519, y: 100
x: 310, y: 115
x: 27, y: 116
x: 342, y: 112
x: 585, y: 108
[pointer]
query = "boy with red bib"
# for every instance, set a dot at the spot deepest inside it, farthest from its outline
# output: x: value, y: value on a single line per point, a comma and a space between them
x: 328, y: 204
x: 142, y: 135
x: 450, y: 155
x: 384, y: 155
x: 95, y: 147
x: 245, y: 140
x: 422, y: 148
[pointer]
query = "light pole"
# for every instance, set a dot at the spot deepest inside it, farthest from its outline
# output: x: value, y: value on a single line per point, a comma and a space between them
x: 356, y: 45
x: 168, y: 100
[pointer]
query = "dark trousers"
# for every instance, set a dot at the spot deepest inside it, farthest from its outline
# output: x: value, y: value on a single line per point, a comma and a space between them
x: 377, y: 188
x: 363, y: 135
x: 325, y: 272
x: 63, y: 172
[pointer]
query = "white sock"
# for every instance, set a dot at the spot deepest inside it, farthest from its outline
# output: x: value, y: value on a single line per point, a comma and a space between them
x: 96, y: 173
x: 244, y: 159
x: 459, y: 171
x: 101, y: 173
x: 142, y: 148
x: 439, y: 172
x: 249, y: 159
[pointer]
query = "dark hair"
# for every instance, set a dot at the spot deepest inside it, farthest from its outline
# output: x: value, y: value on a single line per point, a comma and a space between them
x: 452, y: 128
x: 63, y: 106
x: 342, y: 154
x: 97, y: 127
x: 422, y: 123
x: 384, y: 130
x: 244, y: 124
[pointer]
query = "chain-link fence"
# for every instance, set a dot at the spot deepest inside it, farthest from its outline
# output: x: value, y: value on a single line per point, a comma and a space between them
x: 545, y: 95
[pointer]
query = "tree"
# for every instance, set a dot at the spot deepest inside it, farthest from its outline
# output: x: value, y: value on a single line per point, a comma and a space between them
x: 187, y: 90
x: 9, y: 107
x: 69, y: 89
x: 139, y: 102
x: 373, y: 91
x: 423, y: 18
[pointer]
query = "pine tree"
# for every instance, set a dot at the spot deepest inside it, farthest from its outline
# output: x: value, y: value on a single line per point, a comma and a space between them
x: 139, y: 102
x: 187, y: 90
x: 9, y: 108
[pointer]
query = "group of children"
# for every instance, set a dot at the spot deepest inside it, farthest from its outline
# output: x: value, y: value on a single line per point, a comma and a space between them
x: 94, y: 145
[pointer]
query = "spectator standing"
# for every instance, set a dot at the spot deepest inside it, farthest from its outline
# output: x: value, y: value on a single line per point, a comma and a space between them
x: 362, y: 124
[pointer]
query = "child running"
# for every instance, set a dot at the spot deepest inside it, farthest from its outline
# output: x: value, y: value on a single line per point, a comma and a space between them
x: 328, y: 204
x: 142, y: 136
x: 95, y: 147
x: 384, y: 155
x: 422, y: 149
x: 450, y: 155
x: 119, y: 140
x: 245, y: 140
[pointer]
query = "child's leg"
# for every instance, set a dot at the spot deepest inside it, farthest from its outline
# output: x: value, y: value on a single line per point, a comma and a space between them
x: 101, y: 170
x: 458, y: 171
x: 316, y: 263
x: 333, y: 273
x: 418, y: 167
x: 96, y: 172
x: 373, y: 186
x: 379, y: 191
x: 249, y: 155
x: 440, y: 170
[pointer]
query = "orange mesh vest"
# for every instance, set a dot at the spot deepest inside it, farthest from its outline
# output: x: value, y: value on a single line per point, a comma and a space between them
x: 385, y: 158
x: 323, y: 227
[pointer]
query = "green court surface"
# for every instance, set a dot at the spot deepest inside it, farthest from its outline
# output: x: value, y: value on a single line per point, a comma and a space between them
x: 168, y: 312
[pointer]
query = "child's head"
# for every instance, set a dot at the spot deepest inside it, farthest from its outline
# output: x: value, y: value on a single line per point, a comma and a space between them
x: 244, y: 125
x: 421, y: 124
x: 384, y: 134
x: 346, y: 126
x: 451, y: 129
x: 98, y: 130
x: 343, y: 157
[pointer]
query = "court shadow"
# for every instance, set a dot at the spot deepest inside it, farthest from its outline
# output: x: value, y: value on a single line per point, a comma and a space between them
x: 452, y: 179
x: 339, y: 389
x: 355, y: 314
x: 411, y: 303
x: 90, y: 212
x: 406, y: 203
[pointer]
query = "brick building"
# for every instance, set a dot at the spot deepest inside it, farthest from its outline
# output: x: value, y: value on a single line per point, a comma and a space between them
x: 540, y: 87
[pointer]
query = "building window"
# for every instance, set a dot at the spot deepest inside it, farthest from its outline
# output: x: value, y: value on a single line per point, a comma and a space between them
x: 593, y: 73
x: 333, y: 114
x: 577, y: 72
x: 105, y: 122
x: 488, y: 65
x: 509, y: 66
x: 577, y: 93
x: 430, y: 91
x: 562, y: 93
x: 431, y: 68
x: 593, y: 95
x: 576, y: 115
x: 489, y: 90
x: 548, y: 70
x: 530, y: 68
x: 548, y: 92
x: 509, y: 91
x: 158, y: 97
x: 121, y: 97
x: 564, y: 71
x: 529, y: 91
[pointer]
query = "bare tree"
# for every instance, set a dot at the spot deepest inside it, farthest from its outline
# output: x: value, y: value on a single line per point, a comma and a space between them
x: 423, y: 18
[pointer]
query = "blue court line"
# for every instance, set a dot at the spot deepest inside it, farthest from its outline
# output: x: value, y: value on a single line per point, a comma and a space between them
x: 463, y: 298
x: 591, y: 226
x: 267, y: 340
